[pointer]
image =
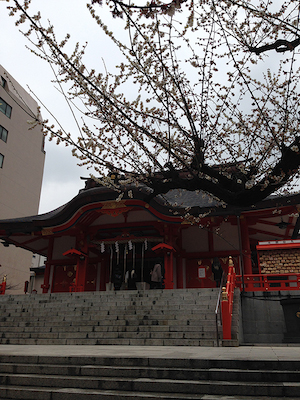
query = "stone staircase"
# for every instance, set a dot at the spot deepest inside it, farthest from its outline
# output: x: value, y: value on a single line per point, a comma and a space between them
x: 153, y: 317
x: 138, y: 378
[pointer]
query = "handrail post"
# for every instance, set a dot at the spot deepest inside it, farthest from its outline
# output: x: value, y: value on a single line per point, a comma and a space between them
x: 3, y: 286
x: 227, y: 300
x: 225, y: 315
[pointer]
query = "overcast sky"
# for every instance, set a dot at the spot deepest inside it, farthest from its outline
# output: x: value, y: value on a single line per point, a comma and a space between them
x: 61, y: 174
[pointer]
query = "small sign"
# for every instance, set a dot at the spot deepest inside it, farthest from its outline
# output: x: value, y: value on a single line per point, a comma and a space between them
x: 201, y: 272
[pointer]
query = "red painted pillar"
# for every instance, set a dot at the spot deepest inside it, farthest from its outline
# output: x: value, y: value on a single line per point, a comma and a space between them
x: 246, y: 246
x: 81, y: 274
x: 179, y: 270
x: 46, y: 284
x: 82, y: 265
x: 169, y: 270
x: 226, y: 319
x: 210, y: 241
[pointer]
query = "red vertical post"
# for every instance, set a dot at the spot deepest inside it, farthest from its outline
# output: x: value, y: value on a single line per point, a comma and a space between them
x: 169, y: 270
x: 246, y: 247
x: 80, y: 274
x: 168, y: 258
x: 210, y: 241
x: 3, y: 286
x: 46, y: 284
x: 179, y: 270
x: 226, y: 321
x: 82, y: 265
x: 227, y: 301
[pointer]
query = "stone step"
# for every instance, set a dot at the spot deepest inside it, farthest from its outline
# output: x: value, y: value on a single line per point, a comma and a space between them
x: 110, y: 328
x: 175, y: 303
x: 120, y: 342
x: 60, y: 394
x: 154, y: 362
x: 120, y: 316
x: 164, y: 317
x: 102, y: 299
x: 188, y: 314
x: 111, y: 294
x: 150, y: 385
x: 171, y: 323
x: 208, y: 327
x: 217, y: 374
x: 178, y: 303
x: 108, y: 335
x: 146, y: 378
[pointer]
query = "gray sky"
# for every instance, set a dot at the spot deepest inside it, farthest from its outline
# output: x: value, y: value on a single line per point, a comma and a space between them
x: 61, y: 174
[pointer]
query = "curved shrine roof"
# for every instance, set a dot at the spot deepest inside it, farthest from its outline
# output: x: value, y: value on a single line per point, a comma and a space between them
x: 168, y: 207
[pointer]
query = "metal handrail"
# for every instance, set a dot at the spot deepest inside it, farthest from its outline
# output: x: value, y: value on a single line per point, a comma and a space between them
x: 218, y: 307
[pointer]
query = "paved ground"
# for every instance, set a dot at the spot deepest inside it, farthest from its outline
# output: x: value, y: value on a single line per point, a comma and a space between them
x: 185, y: 352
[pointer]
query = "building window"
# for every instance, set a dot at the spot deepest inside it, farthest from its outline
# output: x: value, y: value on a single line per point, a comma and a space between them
x: 3, y: 82
x: 3, y: 134
x: 5, y: 108
x: 1, y: 160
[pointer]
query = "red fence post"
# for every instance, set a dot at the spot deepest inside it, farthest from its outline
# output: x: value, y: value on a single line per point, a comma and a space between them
x: 226, y: 321
x: 3, y: 285
x: 227, y: 301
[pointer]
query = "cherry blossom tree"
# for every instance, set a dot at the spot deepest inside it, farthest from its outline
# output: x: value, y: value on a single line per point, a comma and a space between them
x: 201, y: 100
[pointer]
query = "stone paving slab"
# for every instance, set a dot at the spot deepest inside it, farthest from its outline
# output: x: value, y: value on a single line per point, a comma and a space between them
x: 280, y: 353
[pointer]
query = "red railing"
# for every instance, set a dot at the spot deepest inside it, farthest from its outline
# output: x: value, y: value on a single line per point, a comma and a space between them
x: 252, y: 283
x: 268, y: 282
x: 227, y: 301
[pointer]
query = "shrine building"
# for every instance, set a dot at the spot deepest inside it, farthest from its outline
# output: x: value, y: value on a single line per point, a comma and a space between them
x: 98, y: 232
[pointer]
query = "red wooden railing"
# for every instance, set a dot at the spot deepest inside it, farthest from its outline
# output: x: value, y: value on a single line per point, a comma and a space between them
x: 252, y: 283
x: 227, y: 301
x: 268, y: 282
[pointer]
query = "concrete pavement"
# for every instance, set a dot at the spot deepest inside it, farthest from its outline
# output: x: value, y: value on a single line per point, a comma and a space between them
x: 280, y: 353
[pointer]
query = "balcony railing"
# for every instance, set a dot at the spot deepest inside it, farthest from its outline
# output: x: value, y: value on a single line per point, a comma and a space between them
x: 268, y: 282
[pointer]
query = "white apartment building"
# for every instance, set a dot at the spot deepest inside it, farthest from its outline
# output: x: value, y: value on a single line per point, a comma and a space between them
x: 22, y: 159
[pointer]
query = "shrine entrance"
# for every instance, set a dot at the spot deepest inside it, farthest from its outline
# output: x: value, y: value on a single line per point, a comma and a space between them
x: 122, y: 257
x: 63, y: 277
x: 207, y: 272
